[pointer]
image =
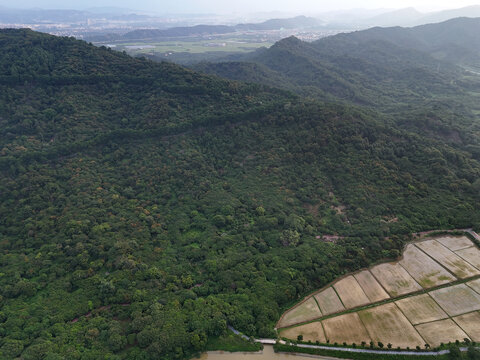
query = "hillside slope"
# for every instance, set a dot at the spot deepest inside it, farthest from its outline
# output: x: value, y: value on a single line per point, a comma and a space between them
x: 146, y: 207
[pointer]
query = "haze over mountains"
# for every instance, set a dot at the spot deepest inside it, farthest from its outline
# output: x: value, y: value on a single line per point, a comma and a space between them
x: 146, y: 207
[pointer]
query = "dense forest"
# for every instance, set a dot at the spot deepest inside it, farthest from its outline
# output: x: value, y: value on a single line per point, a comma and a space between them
x: 145, y: 207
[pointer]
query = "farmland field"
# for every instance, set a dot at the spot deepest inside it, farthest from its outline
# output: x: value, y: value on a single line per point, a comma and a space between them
x: 426, y: 271
x: 312, y: 331
x: 471, y: 254
x: 449, y: 259
x: 329, y: 302
x: 395, y: 279
x: 346, y: 328
x: 470, y: 323
x: 306, y: 311
x: 456, y: 300
x: 475, y: 285
x: 455, y: 243
x: 370, y: 286
x: 387, y: 324
x: 421, y: 309
x: 442, y: 331
x: 431, y: 295
x: 351, y: 293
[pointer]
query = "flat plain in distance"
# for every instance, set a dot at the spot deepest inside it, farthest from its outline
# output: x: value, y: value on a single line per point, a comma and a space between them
x: 470, y: 323
x: 345, y: 328
x: 449, y: 259
x: 442, y: 331
x: 471, y: 254
x: 371, y: 286
x: 308, y: 310
x: 426, y: 271
x: 395, y: 279
x: 421, y: 309
x: 329, y: 302
x: 312, y: 331
x: 455, y: 243
x: 456, y: 300
x: 387, y: 324
x: 351, y: 293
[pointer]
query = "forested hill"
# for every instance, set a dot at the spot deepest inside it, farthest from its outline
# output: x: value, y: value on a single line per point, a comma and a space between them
x: 144, y: 206
x: 360, y: 66
x: 423, y: 79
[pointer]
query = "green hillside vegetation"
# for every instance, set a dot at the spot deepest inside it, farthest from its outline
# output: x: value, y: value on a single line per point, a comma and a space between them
x: 145, y: 207
x: 423, y: 79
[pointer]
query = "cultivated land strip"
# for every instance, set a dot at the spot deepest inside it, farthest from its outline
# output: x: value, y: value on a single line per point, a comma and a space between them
x: 438, y: 303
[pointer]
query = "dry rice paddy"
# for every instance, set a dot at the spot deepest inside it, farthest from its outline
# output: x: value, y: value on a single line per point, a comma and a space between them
x: 426, y: 271
x: 387, y: 324
x: 455, y: 243
x: 470, y: 323
x: 306, y: 311
x: 456, y: 300
x: 442, y: 331
x: 395, y: 279
x: 471, y: 254
x: 449, y: 259
x: 312, y: 331
x: 345, y: 328
x: 351, y: 293
x: 370, y: 286
x: 475, y: 285
x: 329, y: 301
x: 421, y: 309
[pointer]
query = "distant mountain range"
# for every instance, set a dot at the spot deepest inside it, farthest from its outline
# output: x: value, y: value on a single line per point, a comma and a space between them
x: 299, y: 22
x: 412, y: 17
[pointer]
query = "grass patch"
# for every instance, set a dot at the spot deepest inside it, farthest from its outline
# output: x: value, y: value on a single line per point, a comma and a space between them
x: 231, y: 342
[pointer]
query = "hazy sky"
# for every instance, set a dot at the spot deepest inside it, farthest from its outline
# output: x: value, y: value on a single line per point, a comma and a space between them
x: 243, y: 6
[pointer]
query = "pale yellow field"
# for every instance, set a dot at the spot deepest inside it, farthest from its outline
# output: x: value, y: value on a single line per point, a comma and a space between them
x: 306, y: 311
x: 395, y: 279
x: 455, y: 242
x: 457, y: 300
x: 312, y: 332
x: 470, y: 323
x: 370, y: 286
x: 471, y: 254
x: 351, y: 293
x: 346, y: 328
x: 426, y: 271
x: 475, y: 285
x: 329, y: 302
x: 442, y: 331
x: 449, y: 259
x: 421, y: 309
x: 387, y: 324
